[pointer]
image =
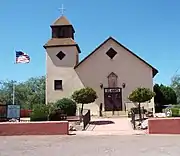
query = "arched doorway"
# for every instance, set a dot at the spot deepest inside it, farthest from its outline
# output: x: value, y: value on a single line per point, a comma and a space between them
x: 113, y: 94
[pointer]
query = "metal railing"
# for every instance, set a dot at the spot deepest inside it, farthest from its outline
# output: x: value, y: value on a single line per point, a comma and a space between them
x: 124, y: 106
x: 133, y: 119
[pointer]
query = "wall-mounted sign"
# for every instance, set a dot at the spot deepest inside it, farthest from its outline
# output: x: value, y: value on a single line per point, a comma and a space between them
x: 112, y: 90
x: 13, y: 111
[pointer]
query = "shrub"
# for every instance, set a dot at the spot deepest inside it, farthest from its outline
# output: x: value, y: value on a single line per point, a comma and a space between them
x: 39, y: 113
x: 67, y: 106
x: 176, y: 106
x: 56, y: 115
x: 175, y: 112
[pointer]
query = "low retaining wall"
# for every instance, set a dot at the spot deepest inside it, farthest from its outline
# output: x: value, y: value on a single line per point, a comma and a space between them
x: 164, y: 126
x: 34, y: 128
x: 25, y: 113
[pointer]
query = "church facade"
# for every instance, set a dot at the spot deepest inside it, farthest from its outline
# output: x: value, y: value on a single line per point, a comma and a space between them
x: 112, y: 70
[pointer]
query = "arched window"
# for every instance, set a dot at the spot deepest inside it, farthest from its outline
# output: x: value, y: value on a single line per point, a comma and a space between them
x: 112, y: 80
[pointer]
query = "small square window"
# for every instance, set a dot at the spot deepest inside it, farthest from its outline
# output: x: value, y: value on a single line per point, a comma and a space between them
x: 61, y: 55
x: 111, y: 53
x: 57, y: 84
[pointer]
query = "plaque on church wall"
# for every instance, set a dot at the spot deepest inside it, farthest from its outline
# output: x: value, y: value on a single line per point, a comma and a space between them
x: 114, y: 90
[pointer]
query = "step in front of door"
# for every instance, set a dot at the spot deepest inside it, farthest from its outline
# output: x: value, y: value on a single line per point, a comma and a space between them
x: 116, y: 114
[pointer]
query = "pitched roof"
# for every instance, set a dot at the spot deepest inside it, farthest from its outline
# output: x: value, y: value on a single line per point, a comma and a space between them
x: 155, y: 71
x: 58, y: 42
x: 62, y: 21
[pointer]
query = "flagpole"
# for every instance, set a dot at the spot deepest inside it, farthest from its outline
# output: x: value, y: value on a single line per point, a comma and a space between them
x: 25, y: 60
x: 13, y: 93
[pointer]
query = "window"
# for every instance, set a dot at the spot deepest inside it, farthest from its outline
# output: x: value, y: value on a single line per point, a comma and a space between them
x: 111, y: 53
x: 112, y: 80
x: 57, y: 84
x: 61, y: 55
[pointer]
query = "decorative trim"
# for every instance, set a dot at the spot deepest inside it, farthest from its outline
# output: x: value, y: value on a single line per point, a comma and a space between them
x: 63, y: 46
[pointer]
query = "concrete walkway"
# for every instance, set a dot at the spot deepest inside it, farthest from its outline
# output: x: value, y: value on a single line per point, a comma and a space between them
x: 110, y: 126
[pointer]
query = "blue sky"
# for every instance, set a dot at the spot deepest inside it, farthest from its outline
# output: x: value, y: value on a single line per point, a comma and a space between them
x: 151, y: 29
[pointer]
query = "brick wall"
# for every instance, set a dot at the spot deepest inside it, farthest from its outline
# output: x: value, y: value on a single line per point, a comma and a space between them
x: 25, y: 113
x: 34, y: 128
x: 164, y: 126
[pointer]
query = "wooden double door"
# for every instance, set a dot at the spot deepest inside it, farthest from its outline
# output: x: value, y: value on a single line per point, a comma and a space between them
x: 113, y: 99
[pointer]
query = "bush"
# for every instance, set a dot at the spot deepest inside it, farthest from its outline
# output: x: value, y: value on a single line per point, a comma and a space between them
x: 176, y: 106
x: 67, y: 106
x: 175, y: 112
x: 39, y: 113
x: 55, y: 115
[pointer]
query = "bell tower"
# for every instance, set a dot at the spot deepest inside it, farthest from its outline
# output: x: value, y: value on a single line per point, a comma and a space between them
x: 62, y: 55
x: 61, y: 28
x: 62, y: 38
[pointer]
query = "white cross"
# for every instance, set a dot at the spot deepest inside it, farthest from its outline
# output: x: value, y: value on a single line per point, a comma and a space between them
x: 62, y: 9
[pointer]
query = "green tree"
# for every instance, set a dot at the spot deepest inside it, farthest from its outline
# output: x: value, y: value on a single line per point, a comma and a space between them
x: 27, y: 93
x: 169, y: 95
x: 175, y: 84
x: 84, y: 96
x: 6, y: 91
x: 36, y: 90
x: 164, y: 95
x: 158, y: 98
x: 41, y: 112
x: 140, y: 95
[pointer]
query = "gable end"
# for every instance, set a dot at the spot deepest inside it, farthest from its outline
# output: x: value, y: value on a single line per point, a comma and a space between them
x: 154, y: 70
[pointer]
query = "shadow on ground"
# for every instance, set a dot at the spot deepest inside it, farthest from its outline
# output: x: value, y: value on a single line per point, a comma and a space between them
x: 103, y: 122
x: 71, y: 133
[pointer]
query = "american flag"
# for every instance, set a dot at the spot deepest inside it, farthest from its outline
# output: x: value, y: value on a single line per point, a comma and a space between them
x: 22, y: 57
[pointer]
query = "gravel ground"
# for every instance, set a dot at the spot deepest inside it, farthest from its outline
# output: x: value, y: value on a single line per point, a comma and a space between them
x: 142, y: 145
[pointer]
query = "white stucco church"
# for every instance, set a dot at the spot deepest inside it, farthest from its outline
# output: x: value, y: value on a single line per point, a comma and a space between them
x: 112, y: 70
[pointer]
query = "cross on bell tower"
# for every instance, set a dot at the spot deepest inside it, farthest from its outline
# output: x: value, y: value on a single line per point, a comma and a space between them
x: 62, y: 9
